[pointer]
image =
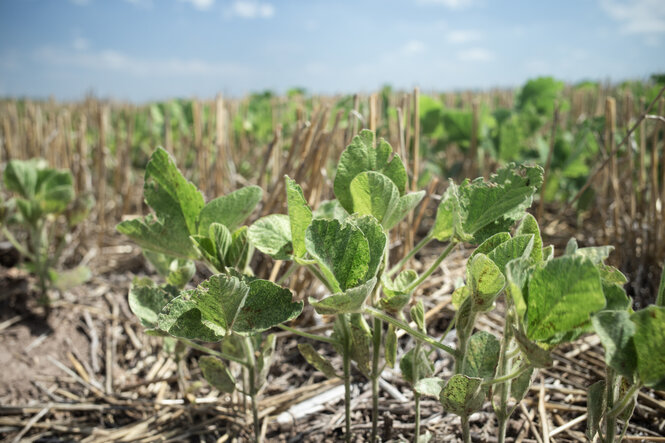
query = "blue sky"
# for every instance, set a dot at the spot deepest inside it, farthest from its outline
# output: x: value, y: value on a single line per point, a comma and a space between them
x: 143, y: 50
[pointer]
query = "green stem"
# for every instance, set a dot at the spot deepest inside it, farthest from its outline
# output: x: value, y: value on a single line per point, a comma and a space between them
x: 219, y: 354
x: 416, y: 395
x: 19, y: 247
x: 248, y: 347
x: 322, y: 338
x: 516, y: 373
x: 376, y: 373
x: 287, y: 274
x: 334, y: 289
x: 466, y: 430
x: 625, y: 401
x: 610, y: 389
x: 412, y: 332
x: 433, y: 267
x: 505, y: 365
x: 347, y: 376
x: 422, y: 243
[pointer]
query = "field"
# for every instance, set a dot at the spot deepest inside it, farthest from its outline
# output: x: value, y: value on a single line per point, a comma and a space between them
x: 161, y: 278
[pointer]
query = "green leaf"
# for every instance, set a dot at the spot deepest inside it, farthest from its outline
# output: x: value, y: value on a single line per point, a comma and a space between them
x: 615, y: 297
x: 517, y: 247
x: 491, y: 243
x: 616, y: 331
x: 181, y: 273
x: 649, y: 338
x: 548, y: 253
x: 331, y: 209
x: 597, y: 254
x: 361, y: 156
x: 221, y: 239
x: 396, y: 293
x: 485, y: 282
x: 266, y: 305
x: 459, y: 295
x: 317, y: 360
x: 272, y: 235
x: 418, y: 315
x: 240, y: 250
x: 147, y: 300
x: 596, y: 405
x: 517, y: 275
x: 217, y: 374
x: 230, y: 210
x: 424, y: 366
x: 300, y: 215
x: 361, y: 337
x: 660, y: 297
x: 430, y: 387
x: 520, y: 385
x: 54, y: 190
x: 217, y: 301
x: 66, y: 280
x: 21, y: 176
x: 207, y: 250
x: 482, y: 355
x: 349, y: 301
x: 562, y: 294
x: 529, y: 225
x: 462, y: 395
x: 265, y: 356
x: 390, y: 346
x: 341, y: 251
x: 376, y: 240
x: 536, y: 355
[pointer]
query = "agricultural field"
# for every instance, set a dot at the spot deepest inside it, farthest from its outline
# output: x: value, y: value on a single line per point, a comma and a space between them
x: 396, y: 266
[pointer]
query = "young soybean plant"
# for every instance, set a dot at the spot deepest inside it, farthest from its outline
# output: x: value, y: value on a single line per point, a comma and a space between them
x: 231, y: 307
x: 45, y: 208
x: 345, y: 244
x: 633, y: 343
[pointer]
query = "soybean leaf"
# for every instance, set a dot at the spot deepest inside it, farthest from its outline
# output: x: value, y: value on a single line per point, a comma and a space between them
x: 520, y: 385
x: 615, y: 297
x: 21, y: 176
x: 459, y: 295
x: 147, y: 300
x: 562, y: 294
x: 529, y: 225
x: 485, y: 282
x: 181, y: 273
x: 418, y: 315
x: 431, y: 387
x: 517, y: 275
x: 596, y: 405
x: 176, y: 203
x: 616, y: 332
x: 317, y: 360
x: 571, y: 247
x: 217, y: 374
x: 482, y: 355
x: 492, y: 242
x: 376, y: 240
x: 230, y: 210
x: 396, y: 293
x: 221, y: 238
x: 360, y: 342
x: 390, y: 346
x: 207, y: 250
x: 264, y: 357
x: 649, y: 338
x: 517, y: 247
x: 217, y: 300
x: 345, y: 302
x: 331, y: 209
x: 462, y: 395
x: 536, y: 355
x: 240, y: 250
x: 266, y: 305
x: 361, y: 156
x: 272, y: 235
x: 54, y: 190
x: 548, y: 252
x: 424, y: 366
x: 597, y: 254
x: 300, y: 216
x: 341, y: 251
x: 70, y: 278
x: 610, y: 274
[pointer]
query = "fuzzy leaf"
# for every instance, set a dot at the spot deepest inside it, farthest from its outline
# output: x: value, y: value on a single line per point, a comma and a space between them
x: 649, y: 339
x: 240, y: 250
x: 345, y: 302
x: 317, y: 360
x: 272, y: 235
x: 147, y: 300
x: 390, y: 346
x: 342, y: 251
x: 418, y: 315
x: 596, y: 405
x: 410, y: 359
x: 485, y: 282
x: 430, y: 387
x: 491, y: 243
x: 396, y: 291
x: 482, y: 355
x: 529, y: 225
x: 616, y: 298
x: 361, y: 338
x: 300, y: 216
x: 517, y: 247
x: 520, y: 385
x: 536, y: 355
x: 660, y: 297
x: 230, y: 210
x: 361, y: 156
x: 562, y: 295
x: 331, y: 209
x: 217, y: 374
x: 462, y: 395
x: 266, y: 305
x: 616, y: 331
x: 376, y: 240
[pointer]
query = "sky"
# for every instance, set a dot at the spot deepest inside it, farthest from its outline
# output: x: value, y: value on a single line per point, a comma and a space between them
x: 142, y: 50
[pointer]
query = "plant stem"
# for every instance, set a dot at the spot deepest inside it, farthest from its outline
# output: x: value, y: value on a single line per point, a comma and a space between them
x: 516, y: 373
x: 411, y: 253
x: 412, y: 332
x: 625, y: 401
x: 315, y: 271
x: 416, y: 395
x: 433, y: 267
x: 505, y: 365
x: 376, y: 373
x: 219, y: 354
x: 251, y: 367
x: 19, y: 247
x: 308, y: 335
x: 287, y: 274
x: 347, y: 375
x: 610, y: 388
x: 466, y: 431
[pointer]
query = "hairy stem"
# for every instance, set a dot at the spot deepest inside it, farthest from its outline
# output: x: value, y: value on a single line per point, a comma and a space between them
x: 412, y: 332
x: 466, y: 430
x: 376, y: 373
x: 433, y: 267
x: 416, y: 395
x: 219, y: 354
x: 347, y: 375
x: 422, y: 243
x: 19, y: 247
x: 610, y: 389
x: 251, y: 368
x: 307, y: 334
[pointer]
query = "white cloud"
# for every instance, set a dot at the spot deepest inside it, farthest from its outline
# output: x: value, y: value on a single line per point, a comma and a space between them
x: 112, y: 60
x: 201, y: 5
x: 475, y: 55
x: 461, y: 36
x: 637, y: 16
x: 412, y: 47
x: 251, y: 9
x: 450, y: 4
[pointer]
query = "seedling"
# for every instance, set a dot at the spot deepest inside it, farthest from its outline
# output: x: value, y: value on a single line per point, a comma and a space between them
x: 231, y: 307
x: 45, y: 208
